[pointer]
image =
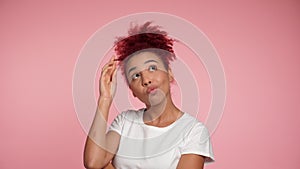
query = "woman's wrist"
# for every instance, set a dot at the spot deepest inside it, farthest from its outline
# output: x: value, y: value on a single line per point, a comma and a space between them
x: 104, y: 101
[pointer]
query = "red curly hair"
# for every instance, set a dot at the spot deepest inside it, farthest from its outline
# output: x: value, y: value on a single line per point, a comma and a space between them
x: 145, y: 37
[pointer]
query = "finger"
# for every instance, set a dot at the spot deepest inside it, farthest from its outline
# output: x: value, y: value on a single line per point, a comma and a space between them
x: 112, y: 58
x: 112, y: 71
x: 107, y: 65
x: 110, y: 66
x: 112, y: 62
x: 107, y: 72
x: 114, y: 75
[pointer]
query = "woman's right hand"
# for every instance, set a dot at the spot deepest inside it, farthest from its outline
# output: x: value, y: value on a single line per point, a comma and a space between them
x: 108, y: 79
x: 100, y: 146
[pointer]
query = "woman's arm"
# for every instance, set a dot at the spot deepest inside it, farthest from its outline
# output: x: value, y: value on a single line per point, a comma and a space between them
x: 191, y: 161
x: 100, y: 146
x: 109, y: 166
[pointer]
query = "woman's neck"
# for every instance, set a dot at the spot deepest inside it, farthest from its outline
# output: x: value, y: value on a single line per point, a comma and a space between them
x: 162, y: 114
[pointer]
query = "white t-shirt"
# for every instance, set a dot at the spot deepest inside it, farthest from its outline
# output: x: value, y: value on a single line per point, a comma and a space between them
x: 148, y: 147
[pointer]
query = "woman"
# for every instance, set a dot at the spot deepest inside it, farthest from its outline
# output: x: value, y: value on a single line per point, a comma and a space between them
x: 157, y: 136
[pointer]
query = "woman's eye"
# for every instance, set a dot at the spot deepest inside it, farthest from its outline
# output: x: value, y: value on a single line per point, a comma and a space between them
x: 152, y: 68
x: 135, y: 76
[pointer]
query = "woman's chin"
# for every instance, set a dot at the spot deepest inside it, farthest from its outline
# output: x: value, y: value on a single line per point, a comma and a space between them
x: 158, y: 98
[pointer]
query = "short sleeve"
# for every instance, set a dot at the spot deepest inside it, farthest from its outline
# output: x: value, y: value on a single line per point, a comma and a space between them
x: 117, y: 124
x: 198, y: 142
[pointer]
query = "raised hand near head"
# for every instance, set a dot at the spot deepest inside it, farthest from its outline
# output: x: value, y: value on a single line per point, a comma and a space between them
x: 108, y: 79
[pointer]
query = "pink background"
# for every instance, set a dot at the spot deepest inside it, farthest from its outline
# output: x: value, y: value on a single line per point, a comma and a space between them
x: 258, y: 43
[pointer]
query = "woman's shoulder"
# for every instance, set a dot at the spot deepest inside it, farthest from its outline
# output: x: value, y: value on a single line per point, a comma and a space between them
x: 193, y: 122
x: 125, y: 118
x: 191, y: 119
x: 132, y: 114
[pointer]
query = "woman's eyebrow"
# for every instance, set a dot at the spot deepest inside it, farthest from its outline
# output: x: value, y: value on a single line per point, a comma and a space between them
x: 150, y: 61
x: 131, y: 69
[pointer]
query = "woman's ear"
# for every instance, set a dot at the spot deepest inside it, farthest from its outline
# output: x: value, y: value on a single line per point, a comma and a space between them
x: 170, y: 74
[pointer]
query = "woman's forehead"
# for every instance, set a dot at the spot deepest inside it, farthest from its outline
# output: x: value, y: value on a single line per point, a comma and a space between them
x: 141, y: 59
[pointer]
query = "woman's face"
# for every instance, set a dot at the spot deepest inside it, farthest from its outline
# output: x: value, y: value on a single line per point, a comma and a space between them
x: 148, y: 78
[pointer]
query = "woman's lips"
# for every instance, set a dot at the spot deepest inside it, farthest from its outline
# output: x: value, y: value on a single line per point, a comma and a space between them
x: 151, y: 90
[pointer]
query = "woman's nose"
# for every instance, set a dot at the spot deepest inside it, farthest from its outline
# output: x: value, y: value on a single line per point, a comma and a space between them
x: 146, y: 79
x: 146, y: 83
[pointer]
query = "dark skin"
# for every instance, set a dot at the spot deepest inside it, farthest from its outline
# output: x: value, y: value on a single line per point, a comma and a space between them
x: 95, y: 156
